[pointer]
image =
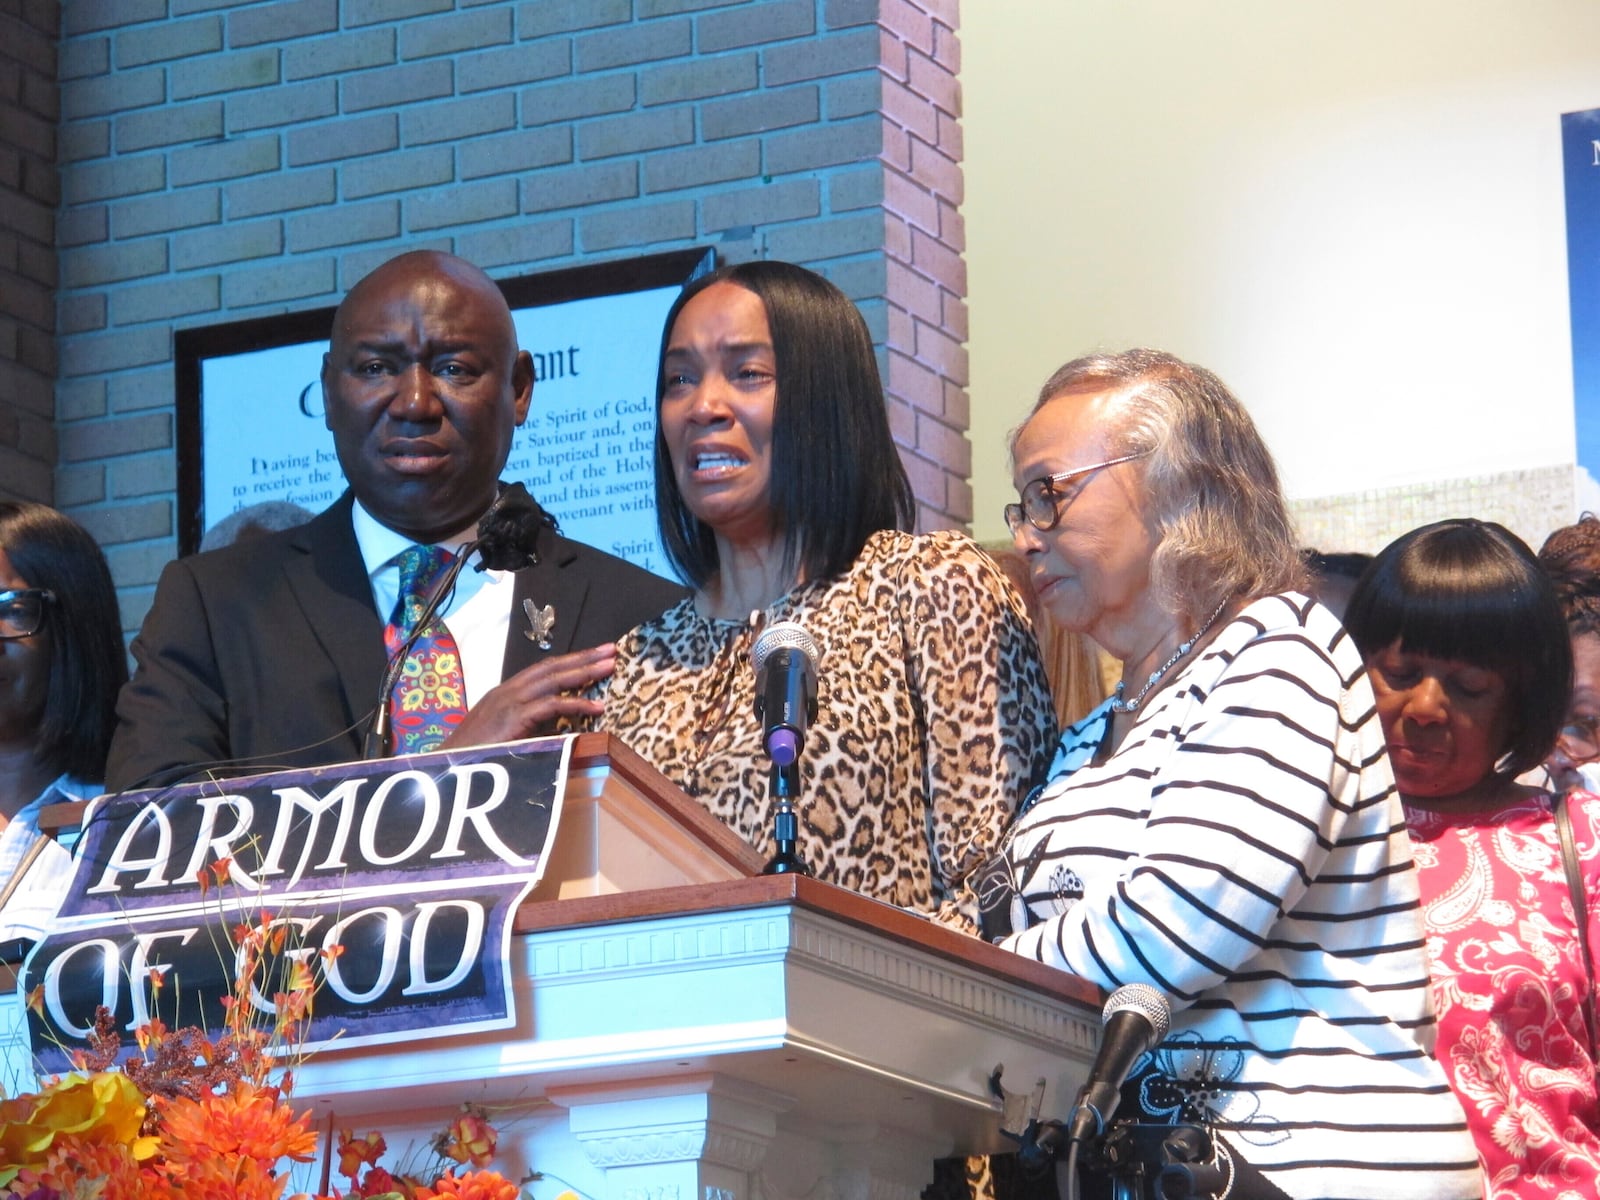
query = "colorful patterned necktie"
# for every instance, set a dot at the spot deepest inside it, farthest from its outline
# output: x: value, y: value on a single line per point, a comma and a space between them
x: 430, y: 696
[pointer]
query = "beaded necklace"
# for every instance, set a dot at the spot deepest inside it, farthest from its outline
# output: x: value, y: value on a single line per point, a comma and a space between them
x: 1119, y: 705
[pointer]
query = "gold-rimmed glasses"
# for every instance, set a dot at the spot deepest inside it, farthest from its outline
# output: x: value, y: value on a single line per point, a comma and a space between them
x: 1044, y: 499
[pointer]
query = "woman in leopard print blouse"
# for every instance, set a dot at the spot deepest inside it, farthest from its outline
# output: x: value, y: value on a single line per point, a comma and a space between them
x: 781, y: 497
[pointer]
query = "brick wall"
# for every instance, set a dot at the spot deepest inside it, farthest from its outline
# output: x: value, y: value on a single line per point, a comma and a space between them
x: 29, y: 188
x: 226, y: 159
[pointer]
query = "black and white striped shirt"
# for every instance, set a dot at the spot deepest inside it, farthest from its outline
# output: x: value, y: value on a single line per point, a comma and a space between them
x: 1244, y: 851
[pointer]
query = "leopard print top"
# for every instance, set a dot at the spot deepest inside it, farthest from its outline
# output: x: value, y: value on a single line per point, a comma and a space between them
x: 933, y: 718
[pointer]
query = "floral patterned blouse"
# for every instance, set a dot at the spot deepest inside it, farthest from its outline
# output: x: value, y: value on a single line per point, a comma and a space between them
x: 1508, y: 984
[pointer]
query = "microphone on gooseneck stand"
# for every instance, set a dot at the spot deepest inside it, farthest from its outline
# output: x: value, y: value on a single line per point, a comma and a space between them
x: 785, y: 660
x: 508, y: 539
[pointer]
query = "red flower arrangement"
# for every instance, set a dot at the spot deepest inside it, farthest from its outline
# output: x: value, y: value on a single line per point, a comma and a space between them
x: 202, y: 1118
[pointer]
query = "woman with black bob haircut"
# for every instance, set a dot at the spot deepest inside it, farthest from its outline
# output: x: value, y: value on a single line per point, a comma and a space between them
x: 1473, y: 591
x: 836, y: 475
x: 61, y: 664
x: 1471, y: 663
x: 781, y: 497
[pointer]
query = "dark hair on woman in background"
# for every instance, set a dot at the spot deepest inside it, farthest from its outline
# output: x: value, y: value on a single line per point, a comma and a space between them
x: 836, y: 474
x: 88, y: 663
x: 1571, y: 558
x: 1451, y: 590
x: 1336, y: 564
x: 1333, y: 575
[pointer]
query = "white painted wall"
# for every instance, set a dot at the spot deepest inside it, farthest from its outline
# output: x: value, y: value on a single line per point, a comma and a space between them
x: 1350, y: 209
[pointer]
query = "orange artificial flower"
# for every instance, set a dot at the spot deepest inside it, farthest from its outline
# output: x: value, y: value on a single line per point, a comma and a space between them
x: 474, y: 1185
x: 379, y: 1182
x: 150, y: 1035
x: 215, y: 873
x: 214, y: 1179
x: 245, y: 1122
x: 470, y: 1138
x: 291, y: 1008
x: 73, y: 1159
x: 355, y: 1153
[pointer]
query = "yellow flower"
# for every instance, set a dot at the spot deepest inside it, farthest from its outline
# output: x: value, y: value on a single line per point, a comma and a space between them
x: 98, y: 1109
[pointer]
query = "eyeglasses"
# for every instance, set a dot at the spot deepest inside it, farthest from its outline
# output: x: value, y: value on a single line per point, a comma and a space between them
x: 1579, y: 738
x: 1042, y: 498
x: 22, y: 611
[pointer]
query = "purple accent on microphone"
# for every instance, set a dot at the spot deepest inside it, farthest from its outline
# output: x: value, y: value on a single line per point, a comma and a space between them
x: 782, y: 746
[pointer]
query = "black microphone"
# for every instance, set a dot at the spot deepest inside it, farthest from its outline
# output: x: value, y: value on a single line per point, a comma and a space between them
x: 1136, y: 1017
x: 785, y: 659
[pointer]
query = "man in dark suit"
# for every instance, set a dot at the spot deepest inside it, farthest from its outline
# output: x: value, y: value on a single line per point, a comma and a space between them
x: 269, y: 653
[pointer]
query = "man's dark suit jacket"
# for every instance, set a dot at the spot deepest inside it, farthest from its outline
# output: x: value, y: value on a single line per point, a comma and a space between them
x: 269, y: 653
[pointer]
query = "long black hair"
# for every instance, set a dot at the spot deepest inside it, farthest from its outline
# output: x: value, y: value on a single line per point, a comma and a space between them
x: 88, y: 663
x: 837, y: 477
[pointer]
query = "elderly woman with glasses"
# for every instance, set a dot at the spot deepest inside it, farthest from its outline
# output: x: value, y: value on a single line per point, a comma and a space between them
x: 61, y: 663
x: 1225, y: 828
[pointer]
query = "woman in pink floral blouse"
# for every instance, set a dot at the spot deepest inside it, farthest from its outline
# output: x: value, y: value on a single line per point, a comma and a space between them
x: 1470, y: 662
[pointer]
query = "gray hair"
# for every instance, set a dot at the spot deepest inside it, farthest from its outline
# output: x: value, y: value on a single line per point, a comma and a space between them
x: 269, y: 516
x: 1211, y: 486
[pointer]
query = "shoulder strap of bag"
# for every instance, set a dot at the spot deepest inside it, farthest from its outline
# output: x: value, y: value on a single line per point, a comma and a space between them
x: 1580, y: 908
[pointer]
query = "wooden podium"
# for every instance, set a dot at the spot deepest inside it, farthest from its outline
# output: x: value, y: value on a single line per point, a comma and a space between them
x: 690, y: 1030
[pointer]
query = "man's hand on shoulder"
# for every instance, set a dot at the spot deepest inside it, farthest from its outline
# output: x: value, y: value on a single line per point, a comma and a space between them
x: 527, y: 703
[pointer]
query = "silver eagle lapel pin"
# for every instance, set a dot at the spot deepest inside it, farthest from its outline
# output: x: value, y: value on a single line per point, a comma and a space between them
x: 540, y: 621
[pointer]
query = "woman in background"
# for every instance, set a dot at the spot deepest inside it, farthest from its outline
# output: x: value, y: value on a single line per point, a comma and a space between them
x: 1224, y: 829
x: 781, y: 497
x: 1571, y: 558
x: 61, y: 663
x: 1470, y: 660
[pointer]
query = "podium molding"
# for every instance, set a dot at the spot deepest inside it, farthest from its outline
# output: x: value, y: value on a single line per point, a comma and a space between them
x: 687, y: 1029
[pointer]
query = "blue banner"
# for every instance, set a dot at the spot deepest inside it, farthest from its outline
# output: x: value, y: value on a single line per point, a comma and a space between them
x: 1580, y: 141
